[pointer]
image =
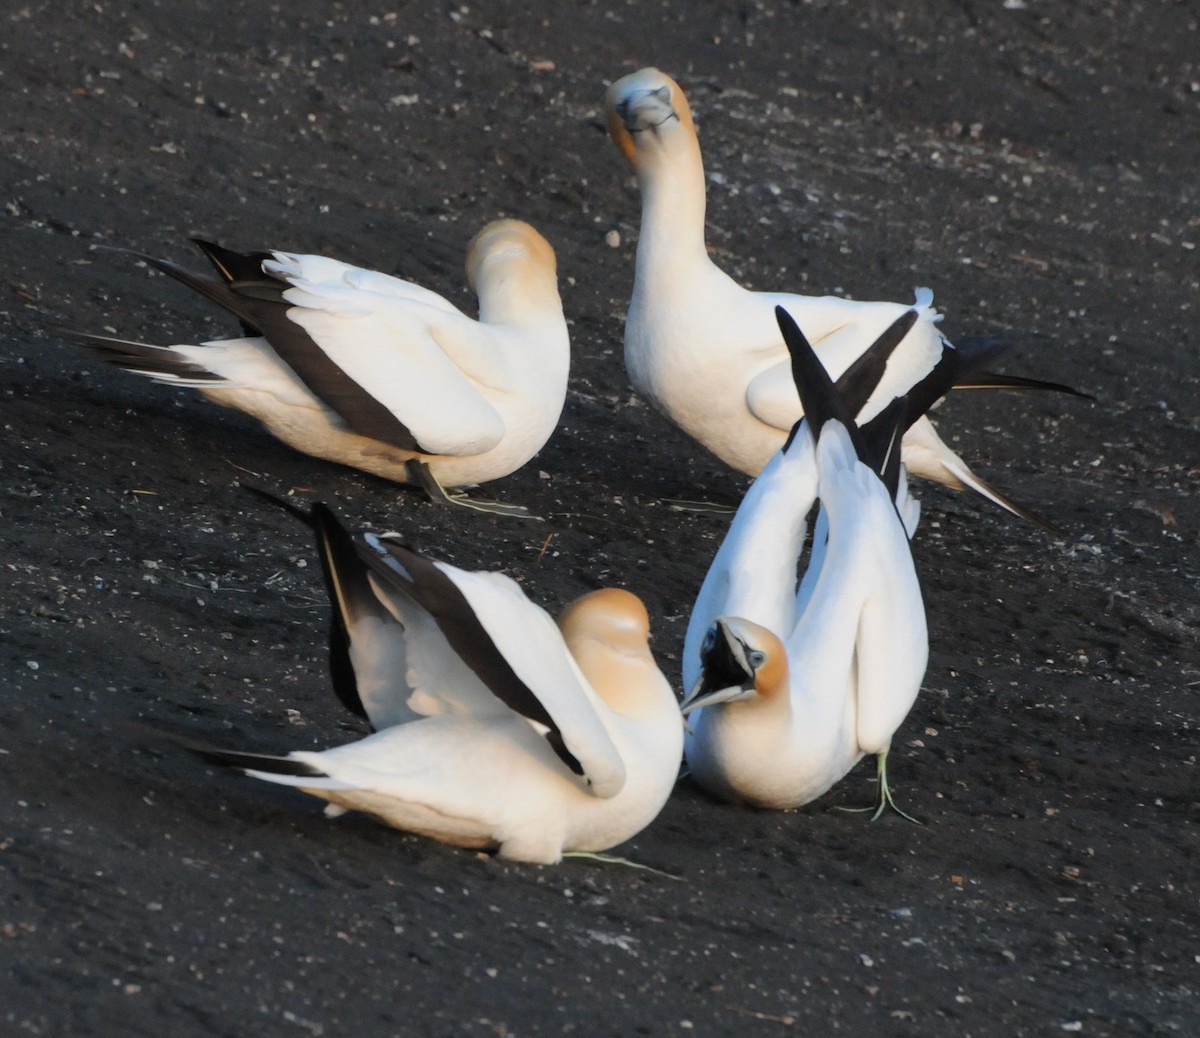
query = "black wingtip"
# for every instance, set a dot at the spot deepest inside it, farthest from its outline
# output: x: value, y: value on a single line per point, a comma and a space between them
x: 350, y: 598
x: 881, y: 438
x: 233, y: 266
x: 318, y: 516
x: 860, y: 379
x: 408, y: 572
x: 1018, y: 383
x: 303, y: 514
x: 819, y: 398
x: 346, y: 585
x: 973, y: 352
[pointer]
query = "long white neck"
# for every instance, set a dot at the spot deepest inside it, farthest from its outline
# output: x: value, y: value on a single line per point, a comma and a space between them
x: 672, y: 186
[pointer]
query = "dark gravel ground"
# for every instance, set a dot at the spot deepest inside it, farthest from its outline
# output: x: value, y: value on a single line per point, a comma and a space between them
x: 1034, y: 162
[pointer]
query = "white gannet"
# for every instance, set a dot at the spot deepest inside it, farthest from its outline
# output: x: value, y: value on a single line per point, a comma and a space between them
x: 791, y: 686
x: 378, y: 373
x: 707, y: 353
x: 495, y: 727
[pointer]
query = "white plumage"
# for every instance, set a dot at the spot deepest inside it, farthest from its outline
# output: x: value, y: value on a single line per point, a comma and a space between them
x: 707, y: 352
x: 378, y: 373
x: 495, y: 726
x: 792, y: 683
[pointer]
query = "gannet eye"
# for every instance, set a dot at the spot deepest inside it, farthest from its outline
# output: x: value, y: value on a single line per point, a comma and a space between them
x: 756, y: 658
x: 710, y: 640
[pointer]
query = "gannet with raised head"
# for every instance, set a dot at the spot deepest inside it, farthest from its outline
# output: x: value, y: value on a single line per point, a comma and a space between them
x: 792, y: 683
x: 378, y: 373
x: 495, y: 727
x: 707, y: 352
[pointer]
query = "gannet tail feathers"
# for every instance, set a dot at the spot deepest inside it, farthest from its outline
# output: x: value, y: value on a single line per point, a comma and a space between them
x: 256, y: 300
x: 262, y: 763
x: 961, y: 472
x: 161, y: 363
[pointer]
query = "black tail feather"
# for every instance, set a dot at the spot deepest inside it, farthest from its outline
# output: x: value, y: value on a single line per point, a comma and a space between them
x: 985, y: 489
x: 243, y: 761
x: 139, y: 356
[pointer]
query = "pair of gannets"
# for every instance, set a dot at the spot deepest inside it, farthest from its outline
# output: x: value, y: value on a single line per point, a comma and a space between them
x: 378, y: 373
x: 792, y: 682
x: 494, y: 727
x: 707, y: 352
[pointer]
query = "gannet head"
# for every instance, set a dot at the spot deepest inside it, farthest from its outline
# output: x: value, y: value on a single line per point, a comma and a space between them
x: 612, y: 616
x: 608, y: 635
x: 739, y: 659
x: 642, y: 107
x: 503, y: 243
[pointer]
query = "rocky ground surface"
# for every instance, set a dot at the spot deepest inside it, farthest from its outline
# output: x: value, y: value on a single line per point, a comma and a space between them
x: 1034, y: 163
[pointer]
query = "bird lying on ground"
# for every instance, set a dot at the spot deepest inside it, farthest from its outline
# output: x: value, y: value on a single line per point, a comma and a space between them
x: 707, y: 352
x: 494, y: 727
x: 791, y: 684
x: 378, y: 373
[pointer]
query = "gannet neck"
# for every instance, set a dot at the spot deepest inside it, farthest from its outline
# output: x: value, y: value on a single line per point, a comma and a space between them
x: 608, y: 634
x: 671, y: 178
x: 672, y: 226
x: 514, y: 273
x: 651, y: 122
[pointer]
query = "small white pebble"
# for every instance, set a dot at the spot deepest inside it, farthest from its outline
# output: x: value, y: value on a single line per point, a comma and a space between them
x: 613, y: 239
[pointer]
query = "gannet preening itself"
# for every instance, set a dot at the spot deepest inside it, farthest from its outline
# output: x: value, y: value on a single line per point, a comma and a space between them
x: 707, y: 352
x: 378, y: 373
x: 791, y: 686
x: 495, y: 728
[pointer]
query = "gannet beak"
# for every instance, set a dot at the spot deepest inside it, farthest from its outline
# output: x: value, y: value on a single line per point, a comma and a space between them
x: 689, y: 701
x: 646, y: 110
x: 700, y: 697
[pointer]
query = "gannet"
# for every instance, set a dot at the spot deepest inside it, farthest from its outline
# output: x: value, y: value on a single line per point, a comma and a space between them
x: 378, y: 373
x: 791, y: 685
x: 494, y: 727
x: 707, y: 353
